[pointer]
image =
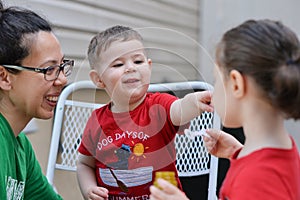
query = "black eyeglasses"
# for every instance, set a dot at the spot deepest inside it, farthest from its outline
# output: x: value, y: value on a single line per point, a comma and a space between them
x: 51, y: 73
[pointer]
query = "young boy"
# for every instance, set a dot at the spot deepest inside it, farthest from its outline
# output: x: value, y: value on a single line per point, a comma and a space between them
x: 128, y: 140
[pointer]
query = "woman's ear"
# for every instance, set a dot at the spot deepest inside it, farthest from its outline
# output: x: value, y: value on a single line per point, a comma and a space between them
x: 5, y: 81
x: 96, y: 79
x: 238, y: 84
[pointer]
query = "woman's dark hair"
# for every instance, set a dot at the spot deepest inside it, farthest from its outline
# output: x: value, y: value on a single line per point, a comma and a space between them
x: 269, y: 53
x: 17, y: 26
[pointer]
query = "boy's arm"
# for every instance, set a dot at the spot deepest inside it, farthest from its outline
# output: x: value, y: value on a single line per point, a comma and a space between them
x: 190, y: 106
x: 87, y: 178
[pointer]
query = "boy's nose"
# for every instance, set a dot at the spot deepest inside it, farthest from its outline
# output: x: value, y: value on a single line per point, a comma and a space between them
x: 130, y: 67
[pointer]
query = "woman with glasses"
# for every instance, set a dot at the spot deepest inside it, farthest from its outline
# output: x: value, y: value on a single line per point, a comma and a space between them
x: 33, y: 73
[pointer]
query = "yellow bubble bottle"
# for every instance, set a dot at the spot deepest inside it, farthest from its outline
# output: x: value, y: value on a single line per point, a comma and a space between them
x: 166, y: 175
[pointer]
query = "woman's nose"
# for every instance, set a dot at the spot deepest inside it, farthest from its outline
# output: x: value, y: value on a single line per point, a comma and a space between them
x: 61, y: 79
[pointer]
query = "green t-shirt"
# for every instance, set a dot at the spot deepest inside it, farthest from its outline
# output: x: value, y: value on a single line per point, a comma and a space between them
x: 21, y: 176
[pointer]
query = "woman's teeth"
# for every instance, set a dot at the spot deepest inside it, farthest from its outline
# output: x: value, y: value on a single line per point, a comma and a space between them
x: 53, y: 99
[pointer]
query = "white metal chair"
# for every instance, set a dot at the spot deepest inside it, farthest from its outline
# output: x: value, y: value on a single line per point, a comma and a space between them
x: 192, y: 159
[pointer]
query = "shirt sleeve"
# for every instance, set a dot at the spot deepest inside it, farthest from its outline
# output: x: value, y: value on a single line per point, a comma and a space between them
x: 166, y: 101
x: 90, y: 136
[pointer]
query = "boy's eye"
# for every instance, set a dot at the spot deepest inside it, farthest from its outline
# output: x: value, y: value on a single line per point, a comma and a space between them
x: 139, y: 62
x: 118, y: 65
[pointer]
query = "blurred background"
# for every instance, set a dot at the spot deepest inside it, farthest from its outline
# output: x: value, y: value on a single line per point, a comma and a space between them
x: 180, y: 37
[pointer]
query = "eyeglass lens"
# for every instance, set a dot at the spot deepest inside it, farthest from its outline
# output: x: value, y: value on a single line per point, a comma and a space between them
x: 53, y: 71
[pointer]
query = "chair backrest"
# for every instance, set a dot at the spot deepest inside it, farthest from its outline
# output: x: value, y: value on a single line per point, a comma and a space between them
x: 192, y: 159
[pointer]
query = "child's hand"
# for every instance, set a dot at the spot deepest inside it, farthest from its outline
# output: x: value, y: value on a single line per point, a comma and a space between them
x: 190, y: 106
x: 204, y: 101
x: 97, y: 193
x: 221, y: 144
x: 168, y: 192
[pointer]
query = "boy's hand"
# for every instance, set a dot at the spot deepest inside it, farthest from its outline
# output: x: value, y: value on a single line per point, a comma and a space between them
x: 221, y: 144
x: 190, y: 106
x: 168, y: 192
x: 204, y: 101
x: 97, y: 193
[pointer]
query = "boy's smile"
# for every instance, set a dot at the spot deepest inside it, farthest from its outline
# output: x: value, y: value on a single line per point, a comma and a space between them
x: 125, y: 72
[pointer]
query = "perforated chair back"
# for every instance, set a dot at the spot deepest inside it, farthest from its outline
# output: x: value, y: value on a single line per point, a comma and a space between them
x: 192, y: 159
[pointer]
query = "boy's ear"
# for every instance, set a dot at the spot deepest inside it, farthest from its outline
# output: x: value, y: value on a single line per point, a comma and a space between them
x: 5, y: 81
x: 94, y: 76
x: 237, y: 81
x: 150, y: 62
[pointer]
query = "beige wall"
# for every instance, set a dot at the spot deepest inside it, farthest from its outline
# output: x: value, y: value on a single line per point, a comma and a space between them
x: 218, y: 16
x: 169, y: 27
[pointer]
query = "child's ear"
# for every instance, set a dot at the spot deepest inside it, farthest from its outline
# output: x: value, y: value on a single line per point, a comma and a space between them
x: 5, y: 82
x: 96, y: 79
x: 237, y: 83
x: 149, y: 62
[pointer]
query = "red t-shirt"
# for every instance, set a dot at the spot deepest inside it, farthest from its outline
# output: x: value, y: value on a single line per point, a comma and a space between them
x: 134, y: 144
x: 269, y: 173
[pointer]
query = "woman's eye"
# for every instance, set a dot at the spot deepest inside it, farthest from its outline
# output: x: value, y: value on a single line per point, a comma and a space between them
x: 51, y: 69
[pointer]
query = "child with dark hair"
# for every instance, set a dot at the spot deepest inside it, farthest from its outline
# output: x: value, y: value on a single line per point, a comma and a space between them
x: 257, y: 87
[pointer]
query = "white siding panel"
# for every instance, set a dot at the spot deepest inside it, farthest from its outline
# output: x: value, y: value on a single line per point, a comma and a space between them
x: 188, y: 5
x: 170, y: 29
x: 146, y: 10
x: 77, y: 42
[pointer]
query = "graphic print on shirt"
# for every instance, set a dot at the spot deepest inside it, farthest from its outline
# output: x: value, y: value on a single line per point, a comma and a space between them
x: 14, y: 189
x: 130, y: 177
x: 138, y: 151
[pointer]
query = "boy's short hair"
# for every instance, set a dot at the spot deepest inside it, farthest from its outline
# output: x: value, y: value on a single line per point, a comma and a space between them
x: 103, y: 40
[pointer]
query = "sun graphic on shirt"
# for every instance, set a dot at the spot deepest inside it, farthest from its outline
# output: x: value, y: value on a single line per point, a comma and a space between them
x: 138, y: 151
